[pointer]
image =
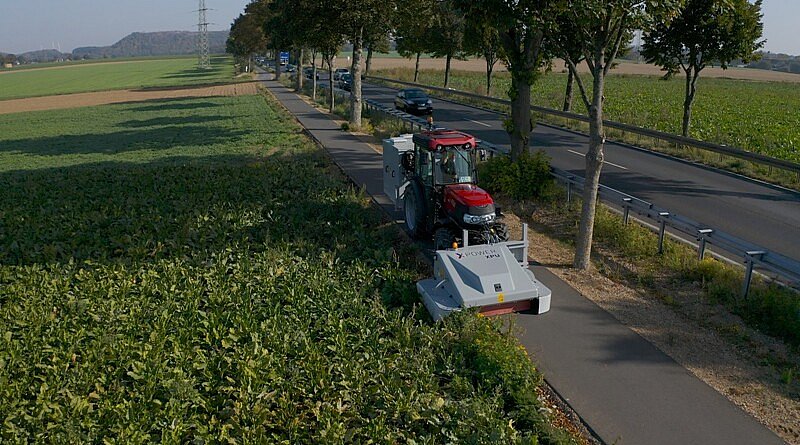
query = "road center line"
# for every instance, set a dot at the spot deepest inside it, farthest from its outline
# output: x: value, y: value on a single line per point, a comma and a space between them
x: 604, y: 162
x: 479, y: 123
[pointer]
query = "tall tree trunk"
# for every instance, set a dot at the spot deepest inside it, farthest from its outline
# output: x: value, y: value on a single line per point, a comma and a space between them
x: 594, y: 165
x: 520, y: 115
x: 568, y: 95
x: 299, y: 72
x: 314, y: 75
x: 416, y: 68
x: 330, y: 83
x: 369, y: 60
x: 447, y: 71
x: 489, y: 70
x: 355, y: 91
x: 691, y: 89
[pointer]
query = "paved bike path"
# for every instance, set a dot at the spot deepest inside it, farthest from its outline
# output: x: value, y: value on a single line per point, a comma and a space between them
x: 623, y: 387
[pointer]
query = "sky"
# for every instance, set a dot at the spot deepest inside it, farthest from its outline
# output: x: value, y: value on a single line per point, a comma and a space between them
x: 27, y: 25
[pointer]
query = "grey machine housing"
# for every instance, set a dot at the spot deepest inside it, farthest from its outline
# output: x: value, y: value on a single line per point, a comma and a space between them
x: 486, y: 276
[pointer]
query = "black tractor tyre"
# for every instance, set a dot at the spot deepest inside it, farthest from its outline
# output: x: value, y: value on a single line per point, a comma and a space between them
x: 443, y: 239
x: 416, y: 214
x: 501, y: 231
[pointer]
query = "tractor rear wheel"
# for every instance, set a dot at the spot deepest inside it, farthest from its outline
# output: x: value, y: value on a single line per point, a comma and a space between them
x: 443, y: 239
x: 415, y: 211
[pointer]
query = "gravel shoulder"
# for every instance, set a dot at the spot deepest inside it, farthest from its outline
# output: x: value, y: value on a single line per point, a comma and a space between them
x: 717, y: 347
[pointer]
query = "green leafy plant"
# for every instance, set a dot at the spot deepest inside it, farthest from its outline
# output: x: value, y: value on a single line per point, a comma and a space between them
x: 196, y: 270
x: 528, y: 177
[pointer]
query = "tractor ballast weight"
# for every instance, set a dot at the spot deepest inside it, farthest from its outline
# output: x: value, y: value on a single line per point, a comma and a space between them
x: 490, y: 274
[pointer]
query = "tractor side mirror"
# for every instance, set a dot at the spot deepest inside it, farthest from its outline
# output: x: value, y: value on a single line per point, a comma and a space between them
x: 407, y: 161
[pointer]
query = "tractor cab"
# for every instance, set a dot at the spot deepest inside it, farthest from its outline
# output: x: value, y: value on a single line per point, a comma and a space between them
x: 444, y: 158
x: 441, y: 197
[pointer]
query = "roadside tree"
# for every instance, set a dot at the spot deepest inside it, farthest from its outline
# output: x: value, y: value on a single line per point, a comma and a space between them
x: 483, y: 41
x: 705, y: 32
x: 522, y: 27
x: 356, y: 20
x: 446, y: 38
x: 599, y: 28
x: 413, y: 24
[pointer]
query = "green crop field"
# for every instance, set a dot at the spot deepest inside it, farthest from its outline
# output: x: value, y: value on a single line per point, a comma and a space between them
x: 127, y: 74
x: 755, y: 116
x: 196, y: 271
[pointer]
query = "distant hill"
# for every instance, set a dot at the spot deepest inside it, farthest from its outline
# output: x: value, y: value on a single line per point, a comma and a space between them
x: 138, y: 44
x: 45, y: 55
x: 777, y: 62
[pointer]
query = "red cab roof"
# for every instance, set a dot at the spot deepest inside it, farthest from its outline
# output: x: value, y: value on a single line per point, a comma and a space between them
x: 432, y: 139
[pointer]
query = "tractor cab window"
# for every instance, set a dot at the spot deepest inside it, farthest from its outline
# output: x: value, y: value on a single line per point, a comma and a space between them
x: 453, y: 165
x: 425, y: 166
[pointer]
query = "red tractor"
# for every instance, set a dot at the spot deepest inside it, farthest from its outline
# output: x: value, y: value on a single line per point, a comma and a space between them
x: 441, y: 198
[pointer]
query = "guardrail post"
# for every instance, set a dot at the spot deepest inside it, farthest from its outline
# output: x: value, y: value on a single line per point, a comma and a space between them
x: 626, y: 207
x: 701, y: 247
x: 749, y: 261
x: 569, y: 189
x: 662, y: 230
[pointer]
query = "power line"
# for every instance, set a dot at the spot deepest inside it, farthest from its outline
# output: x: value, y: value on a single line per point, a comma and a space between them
x: 204, y: 61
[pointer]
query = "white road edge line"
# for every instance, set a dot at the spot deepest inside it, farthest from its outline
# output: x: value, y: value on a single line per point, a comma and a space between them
x: 479, y: 123
x: 604, y: 162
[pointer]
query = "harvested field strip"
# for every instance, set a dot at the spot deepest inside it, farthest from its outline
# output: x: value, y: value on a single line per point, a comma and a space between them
x: 122, y: 96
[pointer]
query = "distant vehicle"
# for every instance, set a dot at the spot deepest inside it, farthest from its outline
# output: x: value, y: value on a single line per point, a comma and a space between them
x: 338, y: 73
x: 346, y: 81
x: 413, y: 101
x: 309, y: 71
x: 284, y: 56
x: 291, y: 68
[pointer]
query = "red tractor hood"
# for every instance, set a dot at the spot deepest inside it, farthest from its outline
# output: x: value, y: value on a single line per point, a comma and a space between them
x: 468, y: 195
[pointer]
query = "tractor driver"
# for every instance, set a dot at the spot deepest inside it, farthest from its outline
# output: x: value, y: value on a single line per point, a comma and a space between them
x: 449, y: 168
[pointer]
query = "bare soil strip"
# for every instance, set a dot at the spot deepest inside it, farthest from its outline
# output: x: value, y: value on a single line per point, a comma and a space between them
x: 120, y: 96
x: 624, y: 68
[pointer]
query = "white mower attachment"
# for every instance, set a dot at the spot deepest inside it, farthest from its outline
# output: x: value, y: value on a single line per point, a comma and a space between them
x: 492, y: 277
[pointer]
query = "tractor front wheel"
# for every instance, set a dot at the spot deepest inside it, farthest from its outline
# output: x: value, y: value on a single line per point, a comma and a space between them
x: 500, y: 231
x: 443, y: 239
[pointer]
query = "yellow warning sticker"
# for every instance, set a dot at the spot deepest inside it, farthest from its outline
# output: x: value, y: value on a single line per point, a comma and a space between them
x: 500, y: 298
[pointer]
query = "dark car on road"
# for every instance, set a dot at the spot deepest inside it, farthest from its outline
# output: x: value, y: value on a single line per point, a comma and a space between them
x: 346, y: 81
x: 308, y: 72
x: 413, y: 101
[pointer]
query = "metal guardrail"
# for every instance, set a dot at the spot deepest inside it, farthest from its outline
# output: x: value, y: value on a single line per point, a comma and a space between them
x: 668, y: 137
x: 754, y: 257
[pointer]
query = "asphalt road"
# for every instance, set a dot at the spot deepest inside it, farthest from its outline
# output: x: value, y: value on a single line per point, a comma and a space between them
x: 755, y: 212
x: 625, y: 389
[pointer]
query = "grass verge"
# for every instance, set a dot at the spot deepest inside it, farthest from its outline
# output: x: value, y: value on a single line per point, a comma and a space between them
x: 116, y: 75
x: 160, y: 287
x: 629, y: 254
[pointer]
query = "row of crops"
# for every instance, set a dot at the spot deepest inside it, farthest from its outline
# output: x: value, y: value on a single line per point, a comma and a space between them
x: 179, y: 289
x: 756, y: 116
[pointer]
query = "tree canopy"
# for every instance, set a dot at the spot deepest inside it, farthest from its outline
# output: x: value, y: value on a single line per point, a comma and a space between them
x: 705, y: 32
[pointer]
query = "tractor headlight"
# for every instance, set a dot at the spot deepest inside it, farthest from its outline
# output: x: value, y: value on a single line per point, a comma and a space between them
x: 478, y: 219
